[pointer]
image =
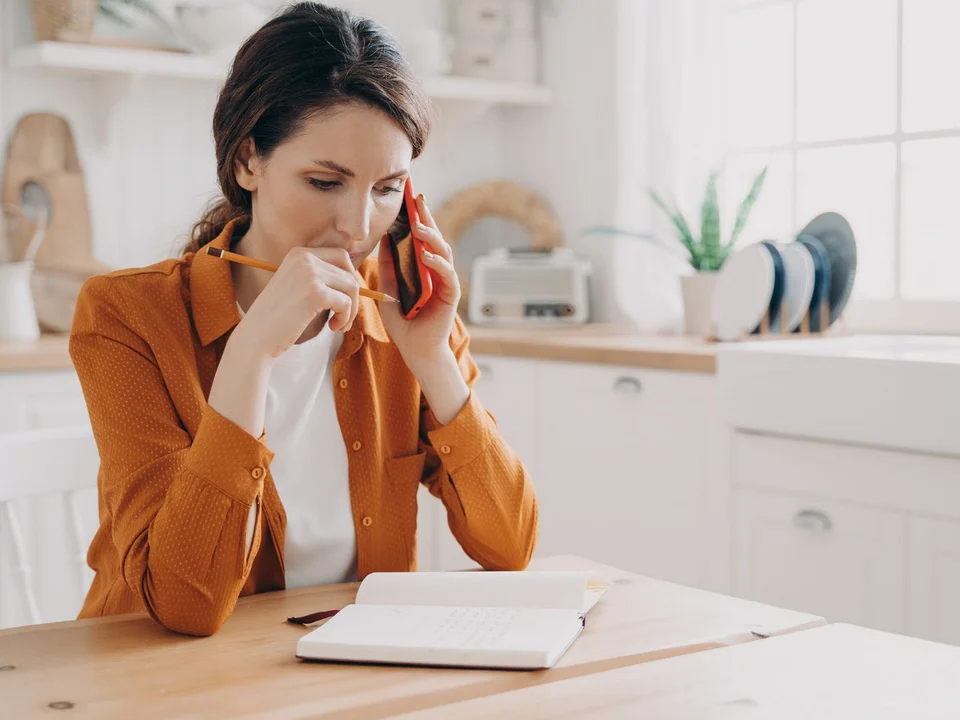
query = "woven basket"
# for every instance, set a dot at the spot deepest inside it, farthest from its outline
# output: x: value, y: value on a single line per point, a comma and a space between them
x: 64, y: 20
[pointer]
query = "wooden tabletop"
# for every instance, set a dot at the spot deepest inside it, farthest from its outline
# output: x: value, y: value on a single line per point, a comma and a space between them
x: 589, y: 344
x: 838, y: 671
x: 127, y: 666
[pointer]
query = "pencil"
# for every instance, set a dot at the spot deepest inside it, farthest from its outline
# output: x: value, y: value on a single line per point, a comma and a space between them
x: 270, y: 267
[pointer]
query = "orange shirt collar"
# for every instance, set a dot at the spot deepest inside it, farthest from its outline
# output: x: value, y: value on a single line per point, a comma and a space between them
x: 214, y: 303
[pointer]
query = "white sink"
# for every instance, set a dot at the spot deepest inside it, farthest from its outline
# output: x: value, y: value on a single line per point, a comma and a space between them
x: 891, y: 391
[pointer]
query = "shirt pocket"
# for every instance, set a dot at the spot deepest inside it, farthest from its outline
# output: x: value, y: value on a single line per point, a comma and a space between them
x: 400, y: 499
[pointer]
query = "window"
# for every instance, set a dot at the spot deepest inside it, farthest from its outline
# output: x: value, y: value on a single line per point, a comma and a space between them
x: 854, y: 105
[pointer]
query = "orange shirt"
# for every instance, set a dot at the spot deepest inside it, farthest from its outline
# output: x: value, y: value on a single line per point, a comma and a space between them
x: 177, y: 479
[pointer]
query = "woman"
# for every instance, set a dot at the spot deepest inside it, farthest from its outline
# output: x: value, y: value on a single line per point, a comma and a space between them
x: 260, y: 431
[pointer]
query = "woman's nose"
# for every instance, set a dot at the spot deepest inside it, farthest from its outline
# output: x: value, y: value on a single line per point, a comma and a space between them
x: 354, y: 218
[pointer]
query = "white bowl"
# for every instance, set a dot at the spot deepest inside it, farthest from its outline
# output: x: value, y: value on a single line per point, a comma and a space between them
x: 219, y: 28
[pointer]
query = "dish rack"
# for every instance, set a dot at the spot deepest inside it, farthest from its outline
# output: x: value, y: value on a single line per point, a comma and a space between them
x: 803, y: 332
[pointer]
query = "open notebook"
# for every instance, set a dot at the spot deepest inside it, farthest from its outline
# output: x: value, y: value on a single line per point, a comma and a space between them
x: 515, y: 620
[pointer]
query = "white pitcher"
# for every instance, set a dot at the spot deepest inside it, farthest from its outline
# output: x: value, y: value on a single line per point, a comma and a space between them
x: 18, y: 316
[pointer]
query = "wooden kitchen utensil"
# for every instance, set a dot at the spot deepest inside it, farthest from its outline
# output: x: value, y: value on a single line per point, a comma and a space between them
x: 42, y: 158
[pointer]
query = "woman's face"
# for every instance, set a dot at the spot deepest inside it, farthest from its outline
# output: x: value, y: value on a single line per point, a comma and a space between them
x: 338, y: 183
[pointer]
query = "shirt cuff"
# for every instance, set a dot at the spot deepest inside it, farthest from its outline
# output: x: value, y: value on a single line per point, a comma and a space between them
x: 464, y: 438
x: 228, y: 457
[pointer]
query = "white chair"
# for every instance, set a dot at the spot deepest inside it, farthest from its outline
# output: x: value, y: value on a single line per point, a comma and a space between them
x: 60, y: 462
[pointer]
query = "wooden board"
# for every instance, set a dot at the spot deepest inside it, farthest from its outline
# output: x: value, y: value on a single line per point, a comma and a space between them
x: 42, y: 150
x: 127, y: 666
x: 839, y: 671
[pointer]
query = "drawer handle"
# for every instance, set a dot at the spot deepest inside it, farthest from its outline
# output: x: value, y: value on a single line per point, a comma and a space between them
x: 813, y: 520
x: 485, y: 370
x: 627, y: 384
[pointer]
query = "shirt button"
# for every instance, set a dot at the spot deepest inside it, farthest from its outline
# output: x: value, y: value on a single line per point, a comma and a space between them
x: 343, y: 383
x: 367, y: 521
x: 357, y: 445
x: 445, y: 449
x: 257, y: 473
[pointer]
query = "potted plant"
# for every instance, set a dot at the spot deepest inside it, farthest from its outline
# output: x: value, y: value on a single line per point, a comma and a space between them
x: 707, y: 253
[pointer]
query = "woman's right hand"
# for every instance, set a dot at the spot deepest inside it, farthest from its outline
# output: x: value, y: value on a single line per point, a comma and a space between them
x: 310, y: 281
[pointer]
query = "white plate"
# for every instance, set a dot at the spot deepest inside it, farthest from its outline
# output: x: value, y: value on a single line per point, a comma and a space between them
x: 743, y: 292
x: 800, y: 275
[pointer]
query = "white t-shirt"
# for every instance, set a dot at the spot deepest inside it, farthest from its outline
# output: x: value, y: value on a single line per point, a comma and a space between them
x: 310, y: 464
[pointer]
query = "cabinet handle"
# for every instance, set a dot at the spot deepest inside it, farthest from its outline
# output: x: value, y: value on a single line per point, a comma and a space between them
x: 809, y: 519
x: 626, y: 384
x: 485, y: 370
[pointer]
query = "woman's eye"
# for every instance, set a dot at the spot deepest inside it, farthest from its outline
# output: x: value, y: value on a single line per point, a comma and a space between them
x: 323, y: 184
x: 388, y: 189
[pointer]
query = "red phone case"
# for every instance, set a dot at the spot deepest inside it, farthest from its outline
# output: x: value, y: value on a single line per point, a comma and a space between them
x: 426, y: 280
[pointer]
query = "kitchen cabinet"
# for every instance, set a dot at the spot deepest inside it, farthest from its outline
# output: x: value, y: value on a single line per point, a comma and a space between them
x: 623, y: 462
x: 933, y: 579
x: 507, y: 388
x: 41, y: 399
x: 622, y: 466
x: 812, y: 554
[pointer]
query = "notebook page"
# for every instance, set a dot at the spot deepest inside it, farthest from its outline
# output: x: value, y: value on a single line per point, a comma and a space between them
x: 419, y: 634
x: 530, y: 589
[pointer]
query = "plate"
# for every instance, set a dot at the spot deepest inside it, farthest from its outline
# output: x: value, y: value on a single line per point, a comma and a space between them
x: 779, y: 286
x: 801, y: 278
x: 821, y: 285
x: 743, y: 292
x: 835, y: 233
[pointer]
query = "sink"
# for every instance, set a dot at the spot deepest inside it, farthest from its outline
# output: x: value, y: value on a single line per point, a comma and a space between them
x: 899, y: 392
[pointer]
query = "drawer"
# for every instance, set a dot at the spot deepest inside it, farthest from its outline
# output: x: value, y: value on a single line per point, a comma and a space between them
x: 903, y: 481
x: 839, y: 560
x: 42, y: 399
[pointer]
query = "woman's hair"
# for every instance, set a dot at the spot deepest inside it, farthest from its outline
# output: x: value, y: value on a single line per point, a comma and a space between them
x: 309, y: 59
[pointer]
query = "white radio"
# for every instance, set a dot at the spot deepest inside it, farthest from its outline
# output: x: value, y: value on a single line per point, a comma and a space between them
x: 529, y: 287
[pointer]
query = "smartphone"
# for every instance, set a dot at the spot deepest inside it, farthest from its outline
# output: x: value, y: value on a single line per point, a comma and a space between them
x: 414, y: 283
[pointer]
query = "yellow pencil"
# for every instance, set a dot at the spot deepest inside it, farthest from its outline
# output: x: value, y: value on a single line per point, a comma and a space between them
x: 270, y: 267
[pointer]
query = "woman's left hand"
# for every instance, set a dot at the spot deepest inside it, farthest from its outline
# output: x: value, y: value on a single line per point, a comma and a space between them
x: 424, y: 340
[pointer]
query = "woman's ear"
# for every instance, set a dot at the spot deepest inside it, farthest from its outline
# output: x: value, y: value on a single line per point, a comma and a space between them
x: 247, y: 166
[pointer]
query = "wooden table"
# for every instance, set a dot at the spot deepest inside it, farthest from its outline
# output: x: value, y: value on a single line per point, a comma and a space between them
x: 838, y: 671
x: 127, y: 666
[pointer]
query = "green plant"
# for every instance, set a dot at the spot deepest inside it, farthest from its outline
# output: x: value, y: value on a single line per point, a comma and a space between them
x: 110, y: 9
x: 708, y: 252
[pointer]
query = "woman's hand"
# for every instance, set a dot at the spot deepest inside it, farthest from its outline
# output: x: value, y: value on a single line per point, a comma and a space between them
x: 427, y: 336
x: 424, y: 341
x: 310, y: 281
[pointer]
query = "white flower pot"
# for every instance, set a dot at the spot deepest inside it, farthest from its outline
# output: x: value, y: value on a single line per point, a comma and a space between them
x: 697, y: 292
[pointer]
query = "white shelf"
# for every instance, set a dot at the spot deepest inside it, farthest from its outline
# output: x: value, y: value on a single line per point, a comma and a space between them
x: 103, y: 60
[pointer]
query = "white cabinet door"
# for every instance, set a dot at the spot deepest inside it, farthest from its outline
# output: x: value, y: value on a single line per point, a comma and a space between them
x: 934, y: 579
x: 623, y: 463
x: 506, y: 388
x: 41, y: 399
x: 831, y: 558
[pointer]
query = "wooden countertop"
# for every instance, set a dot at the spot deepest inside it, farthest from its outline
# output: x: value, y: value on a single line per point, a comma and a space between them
x: 839, y: 671
x: 128, y: 666
x: 588, y: 344
x: 48, y: 353
x: 598, y: 344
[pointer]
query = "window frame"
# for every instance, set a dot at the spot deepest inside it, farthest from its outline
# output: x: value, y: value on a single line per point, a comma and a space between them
x: 896, y: 314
